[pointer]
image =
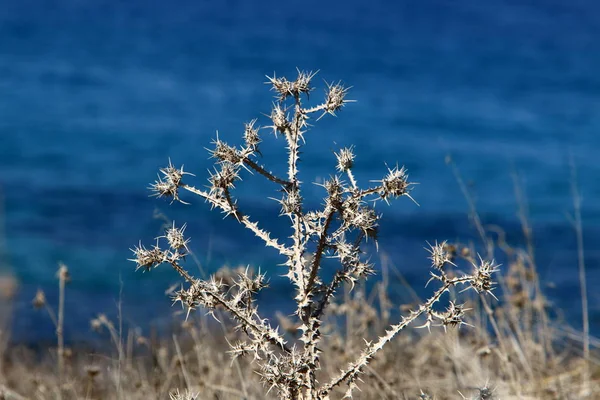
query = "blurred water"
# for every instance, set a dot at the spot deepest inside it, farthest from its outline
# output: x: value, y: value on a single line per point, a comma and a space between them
x: 96, y: 97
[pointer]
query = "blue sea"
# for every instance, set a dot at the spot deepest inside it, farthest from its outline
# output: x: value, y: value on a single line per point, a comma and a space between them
x: 96, y: 96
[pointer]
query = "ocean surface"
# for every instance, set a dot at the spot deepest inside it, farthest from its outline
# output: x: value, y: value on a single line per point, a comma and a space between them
x: 96, y: 96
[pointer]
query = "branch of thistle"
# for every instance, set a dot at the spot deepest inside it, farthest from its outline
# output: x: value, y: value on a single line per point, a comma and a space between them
x: 200, y: 288
x: 314, y: 109
x: 355, y: 368
x: 339, y: 277
x: 225, y: 153
x: 232, y: 209
x: 208, y: 294
x: 334, y: 101
x: 229, y: 157
x: 267, y: 174
x: 360, y: 194
x: 318, y: 254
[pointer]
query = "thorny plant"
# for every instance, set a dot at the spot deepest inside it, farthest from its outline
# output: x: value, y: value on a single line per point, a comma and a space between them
x: 339, y: 230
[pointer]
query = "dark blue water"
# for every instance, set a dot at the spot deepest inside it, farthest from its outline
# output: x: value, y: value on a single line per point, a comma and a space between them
x: 96, y: 96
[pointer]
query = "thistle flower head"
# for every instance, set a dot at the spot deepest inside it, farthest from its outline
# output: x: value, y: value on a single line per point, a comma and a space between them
x: 176, y: 239
x: 240, y: 349
x: 248, y: 282
x: 364, y: 218
x: 148, y: 258
x: 173, y: 174
x: 482, y: 276
x: 251, y: 137
x: 162, y: 188
x: 168, y: 185
x: 362, y: 270
x: 440, y: 255
x: 225, y: 177
x: 453, y: 317
x: 347, y: 253
x: 279, y: 118
x: 302, y: 84
x: 224, y: 152
x: 291, y: 203
x: 395, y: 184
x: 285, y: 88
x: 335, y: 98
x: 335, y: 189
x: 282, y: 86
x: 345, y: 159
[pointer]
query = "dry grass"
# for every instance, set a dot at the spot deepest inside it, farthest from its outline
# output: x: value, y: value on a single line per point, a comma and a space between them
x: 525, y: 361
x: 341, y: 341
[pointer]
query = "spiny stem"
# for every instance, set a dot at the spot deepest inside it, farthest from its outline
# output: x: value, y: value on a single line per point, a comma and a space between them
x: 318, y: 254
x: 232, y: 209
x: 266, y: 174
x: 372, y: 348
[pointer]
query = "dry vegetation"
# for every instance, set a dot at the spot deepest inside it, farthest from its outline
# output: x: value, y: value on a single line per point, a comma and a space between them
x: 485, y: 333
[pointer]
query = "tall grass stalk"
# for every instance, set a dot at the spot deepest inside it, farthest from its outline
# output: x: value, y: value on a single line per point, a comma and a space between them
x: 63, y: 277
x: 578, y: 226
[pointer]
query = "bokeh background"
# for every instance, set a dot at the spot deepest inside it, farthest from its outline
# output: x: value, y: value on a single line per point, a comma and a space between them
x: 95, y: 96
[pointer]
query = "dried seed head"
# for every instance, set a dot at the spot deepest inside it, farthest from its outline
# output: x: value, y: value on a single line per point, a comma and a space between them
x: 280, y: 121
x: 440, y: 255
x: 39, y: 300
x: 291, y: 203
x: 176, y: 239
x: 302, y: 84
x: 282, y: 86
x: 168, y: 185
x: 365, y: 218
x: 240, y: 349
x: 148, y: 258
x: 347, y: 253
x: 163, y: 188
x: 285, y: 88
x: 249, y: 282
x: 453, y: 315
x: 345, y: 159
x: 335, y: 98
x: 395, y: 184
x: 224, y: 152
x: 251, y: 137
x: 173, y: 174
x: 226, y: 177
x: 334, y: 188
x: 363, y: 269
x: 482, y: 276
x: 63, y: 273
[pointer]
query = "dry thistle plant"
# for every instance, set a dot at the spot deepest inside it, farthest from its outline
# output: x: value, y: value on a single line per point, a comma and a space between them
x: 339, y: 230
